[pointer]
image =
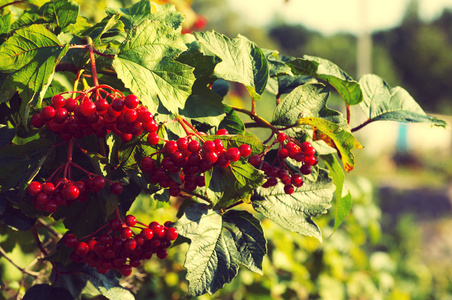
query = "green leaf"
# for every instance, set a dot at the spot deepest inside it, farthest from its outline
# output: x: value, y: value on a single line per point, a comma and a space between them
x: 29, y: 57
x: 242, y: 61
x: 232, y: 122
x: 330, y: 73
x: 343, y: 140
x: 343, y: 196
x: 218, y: 246
x: 295, y: 212
x: 61, y: 12
x: 107, y: 284
x: 381, y: 102
x: 6, y: 135
x: 5, y: 23
x: 27, y: 18
x: 146, y: 66
x: 142, y: 10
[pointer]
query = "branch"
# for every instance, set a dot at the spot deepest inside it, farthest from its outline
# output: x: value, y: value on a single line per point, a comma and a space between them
x: 255, y: 118
x: 361, y: 126
x: 5, y: 255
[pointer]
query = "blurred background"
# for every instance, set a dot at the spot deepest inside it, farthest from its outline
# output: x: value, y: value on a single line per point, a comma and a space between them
x: 397, y: 241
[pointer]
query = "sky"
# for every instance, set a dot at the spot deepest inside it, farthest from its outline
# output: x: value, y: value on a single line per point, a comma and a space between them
x: 331, y: 16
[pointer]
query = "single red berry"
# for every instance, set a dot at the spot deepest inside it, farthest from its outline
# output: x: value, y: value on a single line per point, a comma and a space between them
x: 171, y: 147
x: 115, y: 224
x: 70, y: 104
x: 125, y: 270
x: 255, y: 160
x: 291, y: 147
x: 305, y: 169
x: 200, y: 23
x: 130, y: 220
x: 88, y: 108
x: 61, y: 115
x: 281, y: 137
x: 222, y: 132
x: 193, y: 146
x: 70, y: 192
x: 273, y: 171
x: 289, y: 189
x: 96, y: 184
x: 219, y: 147
x: 145, y: 117
x: 159, y: 230
x: 245, y: 150
x: 162, y: 253
x: 174, y: 191
x: 105, y: 239
x: 81, y: 249
x: 113, y: 114
x: 126, y: 232
x: 129, y: 244
x: 47, y: 113
x: 101, y: 105
x: 210, y: 157
x: 153, y: 138
x: 151, y: 126
x: 147, y: 164
x: 222, y: 161
x: 233, y: 154
x: 208, y: 146
x: 131, y: 101
x: 297, y: 180
x: 58, y: 101
x: 182, y: 144
x: 116, y: 188
x: 130, y: 115
x: 37, y: 121
x: 42, y: 199
x: 147, y: 233
x: 117, y: 104
x: 311, y: 160
x: 34, y: 188
x: 171, y: 233
x: 283, y: 153
x: 48, y: 188
x: 70, y: 240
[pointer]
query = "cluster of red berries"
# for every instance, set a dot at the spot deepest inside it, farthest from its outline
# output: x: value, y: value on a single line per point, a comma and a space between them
x: 190, y: 160
x: 49, y: 195
x: 121, y: 248
x: 80, y: 116
x: 303, y: 153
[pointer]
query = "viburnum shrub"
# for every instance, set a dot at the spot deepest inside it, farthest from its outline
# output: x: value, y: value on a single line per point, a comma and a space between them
x: 143, y: 113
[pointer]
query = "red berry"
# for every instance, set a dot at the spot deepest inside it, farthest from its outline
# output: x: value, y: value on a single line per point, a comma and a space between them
x: 61, y: 115
x: 283, y: 153
x: 48, y: 188
x: 81, y: 185
x: 34, y: 188
x: 171, y: 233
x: 289, y: 189
x: 37, y: 121
x: 147, y: 233
x: 255, y: 160
x: 200, y: 23
x: 88, y: 108
x: 147, y: 164
x: 70, y: 192
x: 171, y: 147
x: 131, y: 101
x: 126, y: 232
x: 117, y: 104
x: 145, y: 117
x: 129, y: 244
x: 219, y: 147
x: 58, y: 101
x: 174, y: 191
x: 162, y: 253
x: 291, y: 147
x: 96, y: 184
x: 245, y: 150
x: 70, y: 104
x: 159, y: 230
x: 101, y: 105
x: 125, y: 270
x: 47, y: 113
x: 116, y: 188
x: 281, y: 137
x: 81, y: 249
x: 233, y: 154
x: 297, y: 180
x: 115, y: 224
x: 193, y: 146
x: 208, y: 146
x: 182, y: 144
x: 153, y: 138
x: 210, y: 157
x: 130, y: 115
x: 307, y: 149
x: 306, y: 169
x: 130, y: 220
x: 70, y: 240
x: 311, y: 160
x: 222, y: 132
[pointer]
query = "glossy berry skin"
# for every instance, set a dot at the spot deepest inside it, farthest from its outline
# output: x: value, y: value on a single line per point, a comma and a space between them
x: 162, y: 253
x: 58, y: 101
x: 208, y: 146
x: 126, y: 233
x: 130, y: 220
x: 147, y: 233
x: 222, y: 132
x: 171, y: 147
x: 125, y: 270
x: 88, y: 108
x: 70, y: 192
x: 305, y: 169
x: 171, y: 233
x: 96, y: 184
x: 34, y: 188
x: 245, y: 150
x: 131, y: 101
x: 116, y: 188
x: 193, y: 146
x: 47, y: 113
x: 48, y: 188
x: 211, y: 157
x: 281, y: 137
x: 182, y: 144
x: 115, y: 224
x: 81, y: 249
x: 37, y: 121
x: 255, y: 160
x: 117, y: 104
x: 70, y: 240
x: 233, y: 154
x: 153, y: 138
x: 297, y: 180
x: 289, y: 189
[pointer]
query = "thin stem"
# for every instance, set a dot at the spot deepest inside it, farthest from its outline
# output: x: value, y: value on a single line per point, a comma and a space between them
x: 253, y: 106
x: 38, y: 241
x: 348, y: 113
x: 255, y: 118
x: 93, y: 62
x: 188, y: 128
x: 360, y: 126
x: 197, y: 195
x: 233, y: 205
x: 49, y: 228
x: 5, y: 255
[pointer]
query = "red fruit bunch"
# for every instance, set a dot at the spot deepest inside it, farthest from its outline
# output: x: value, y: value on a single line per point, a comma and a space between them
x: 303, y: 153
x: 121, y: 248
x: 189, y: 159
x: 48, y: 195
x: 83, y: 116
